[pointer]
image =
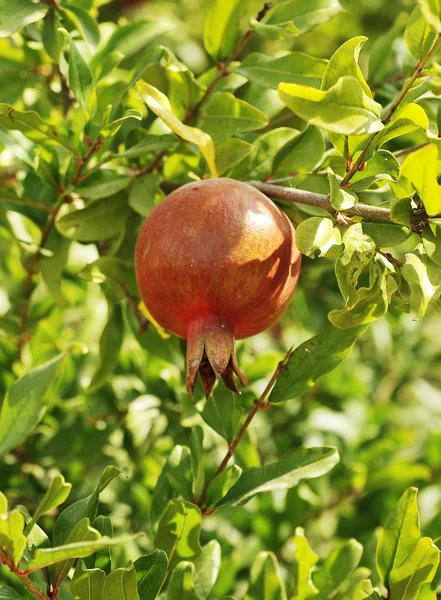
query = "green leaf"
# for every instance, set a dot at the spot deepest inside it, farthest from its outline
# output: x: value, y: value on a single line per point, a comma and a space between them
x: 55, y: 495
x: 230, y: 153
x: 418, y: 568
x: 151, y: 571
x: 317, y: 236
x: 276, y: 30
x: 300, y: 16
x: 104, y: 268
x: 432, y: 243
x: 32, y: 126
x: 179, y: 462
x: 103, y: 184
x: 86, y: 507
x: 53, y: 40
x: 12, y: 538
x: 431, y: 11
x: 265, y: 582
x: 87, y: 584
x: 344, y: 63
x: 300, y: 154
x: 345, y: 108
x: 223, y: 413
x: 132, y: 38
x: 258, y: 164
x: 424, y: 279
x: 207, y: 568
x: 102, y: 559
x: 340, y: 198
x: 85, y: 24
x: 419, y: 35
x: 421, y: 168
x: 178, y: 532
x: 386, y: 235
x: 45, y: 557
x: 307, y: 14
x: 222, y: 27
x: 145, y: 193
x: 160, y: 105
x: 382, y: 167
x: 52, y: 267
x: 382, y: 47
x: 16, y: 15
x: 7, y: 593
x: 407, y: 119
x: 304, y: 566
x: 148, y: 143
x: 399, y: 535
x: 296, y: 67
x: 371, y: 302
x: 113, y: 127
x: 181, y: 586
x: 312, y: 359
x: 99, y: 221
x: 82, y: 533
x: 121, y: 585
x: 197, y: 454
x: 359, y: 250
x: 80, y: 76
x: 336, y: 569
x: 110, y: 345
x: 225, y: 115
x: 303, y: 463
x: 26, y: 402
x: 221, y: 485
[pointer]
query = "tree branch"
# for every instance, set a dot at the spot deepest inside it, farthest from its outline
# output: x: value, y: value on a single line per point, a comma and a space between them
x: 371, y: 213
x: 260, y: 404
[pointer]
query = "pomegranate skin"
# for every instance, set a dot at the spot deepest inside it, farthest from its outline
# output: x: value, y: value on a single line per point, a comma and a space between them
x: 216, y: 251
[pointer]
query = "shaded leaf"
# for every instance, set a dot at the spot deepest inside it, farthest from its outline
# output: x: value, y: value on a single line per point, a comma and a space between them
x: 312, y: 359
x: 303, y: 463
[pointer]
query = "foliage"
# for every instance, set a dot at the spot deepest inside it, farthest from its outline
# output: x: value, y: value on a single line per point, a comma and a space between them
x: 305, y: 485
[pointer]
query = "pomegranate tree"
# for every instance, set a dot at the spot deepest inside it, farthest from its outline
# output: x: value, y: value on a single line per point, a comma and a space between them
x: 216, y: 261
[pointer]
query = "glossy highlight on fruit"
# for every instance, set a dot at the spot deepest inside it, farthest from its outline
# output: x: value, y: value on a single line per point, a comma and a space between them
x: 216, y: 261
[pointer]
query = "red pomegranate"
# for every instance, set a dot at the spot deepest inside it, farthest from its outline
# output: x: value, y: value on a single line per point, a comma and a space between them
x: 216, y: 261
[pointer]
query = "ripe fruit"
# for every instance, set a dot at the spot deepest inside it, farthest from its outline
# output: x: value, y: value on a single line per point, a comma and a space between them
x: 216, y: 261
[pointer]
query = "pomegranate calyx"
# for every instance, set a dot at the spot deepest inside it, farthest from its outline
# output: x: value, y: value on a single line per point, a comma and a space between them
x: 211, y: 352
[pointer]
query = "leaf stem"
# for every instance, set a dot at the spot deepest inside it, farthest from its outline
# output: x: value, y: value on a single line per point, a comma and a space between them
x: 390, y: 113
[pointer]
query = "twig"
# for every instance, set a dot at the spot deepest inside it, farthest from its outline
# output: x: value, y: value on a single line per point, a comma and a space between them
x: 390, y: 258
x: 406, y: 151
x: 409, y: 83
x: 260, y: 404
x: 34, y: 589
x: 372, y: 213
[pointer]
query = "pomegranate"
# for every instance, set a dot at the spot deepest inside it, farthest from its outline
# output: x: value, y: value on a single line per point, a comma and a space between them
x: 216, y: 261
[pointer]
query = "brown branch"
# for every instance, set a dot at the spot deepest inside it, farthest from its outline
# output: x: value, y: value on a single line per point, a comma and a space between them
x: 260, y: 404
x: 372, y: 213
x: 32, y: 587
x: 406, y: 151
x: 395, y: 105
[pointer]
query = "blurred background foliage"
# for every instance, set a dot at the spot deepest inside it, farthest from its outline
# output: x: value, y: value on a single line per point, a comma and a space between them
x: 381, y: 407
